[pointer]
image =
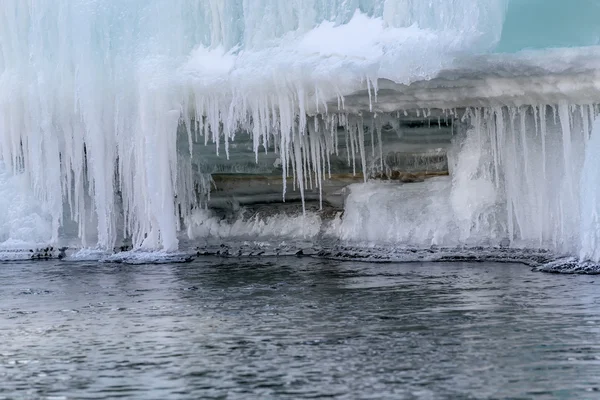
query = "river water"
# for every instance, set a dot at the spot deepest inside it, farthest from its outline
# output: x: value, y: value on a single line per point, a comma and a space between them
x: 296, y: 328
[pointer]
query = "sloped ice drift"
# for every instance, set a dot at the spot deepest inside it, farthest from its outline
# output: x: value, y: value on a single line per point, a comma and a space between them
x: 177, y: 126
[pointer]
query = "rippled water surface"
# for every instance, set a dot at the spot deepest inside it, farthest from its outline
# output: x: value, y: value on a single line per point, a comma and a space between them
x: 296, y: 328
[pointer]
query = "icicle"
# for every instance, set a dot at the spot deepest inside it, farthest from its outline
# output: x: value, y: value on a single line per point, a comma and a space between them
x: 369, y: 90
x: 495, y: 138
x: 352, y: 134
x: 347, y: 139
x: 543, y: 130
x: 380, y: 149
x: 299, y: 170
x: 554, y: 113
x: 535, y: 119
x: 526, y: 158
x: 372, y: 134
x: 307, y: 152
x: 361, y: 145
x: 563, y: 111
x: 585, y: 118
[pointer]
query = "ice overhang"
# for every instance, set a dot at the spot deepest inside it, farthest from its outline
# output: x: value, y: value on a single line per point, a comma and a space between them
x: 525, y: 78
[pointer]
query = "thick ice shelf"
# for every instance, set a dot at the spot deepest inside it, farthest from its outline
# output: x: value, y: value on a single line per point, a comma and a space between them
x: 551, y: 76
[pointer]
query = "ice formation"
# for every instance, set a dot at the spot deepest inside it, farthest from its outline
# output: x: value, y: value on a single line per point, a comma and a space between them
x: 519, y: 174
x: 23, y: 220
x: 102, y: 104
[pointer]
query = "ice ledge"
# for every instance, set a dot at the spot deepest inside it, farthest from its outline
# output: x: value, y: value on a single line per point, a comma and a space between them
x: 541, y: 260
x: 525, y: 78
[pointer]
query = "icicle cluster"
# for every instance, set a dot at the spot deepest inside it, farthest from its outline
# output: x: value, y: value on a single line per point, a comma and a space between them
x: 101, y: 103
x: 537, y: 164
x: 522, y: 176
x: 92, y: 92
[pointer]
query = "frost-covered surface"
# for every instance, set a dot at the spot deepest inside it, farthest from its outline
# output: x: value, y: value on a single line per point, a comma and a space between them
x: 531, y: 257
x: 148, y: 257
x: 537, y: 258
x: 24, y: 251
x: 571, y: 265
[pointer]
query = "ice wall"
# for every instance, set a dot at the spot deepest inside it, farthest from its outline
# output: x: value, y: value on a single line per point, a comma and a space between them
x: 92, y: 91
x: 93, y: 94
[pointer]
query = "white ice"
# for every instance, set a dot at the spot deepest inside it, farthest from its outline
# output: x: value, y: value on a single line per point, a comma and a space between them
x: 23, y: 221
x: 92, y: 94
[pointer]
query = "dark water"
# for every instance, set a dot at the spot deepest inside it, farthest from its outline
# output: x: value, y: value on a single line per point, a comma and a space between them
x: 297, y: 328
